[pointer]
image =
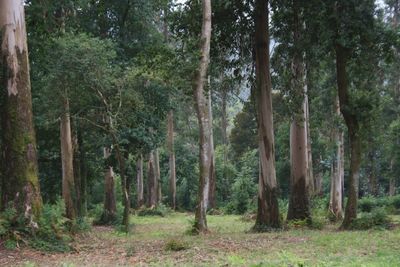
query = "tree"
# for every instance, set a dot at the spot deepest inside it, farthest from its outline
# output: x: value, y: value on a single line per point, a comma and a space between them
x: 139, y: 181
x: 203, y: 117
x: 110, y: 205
x: 337, y: 169
x: 171, y: 151
x: 299, y: 204
x: 20, y: 182
x: 268, y: 210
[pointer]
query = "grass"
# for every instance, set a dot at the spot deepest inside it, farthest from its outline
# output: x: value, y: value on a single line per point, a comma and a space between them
x: 229, y: 244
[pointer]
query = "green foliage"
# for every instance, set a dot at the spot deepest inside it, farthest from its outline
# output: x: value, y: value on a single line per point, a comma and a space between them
x: 367, y: 204
x: 378, y: 218
x: 175, y: 245
x: 160, y: 210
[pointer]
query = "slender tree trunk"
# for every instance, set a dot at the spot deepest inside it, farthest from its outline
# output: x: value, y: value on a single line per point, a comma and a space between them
x: 268, y: 209
x: 84, y: 174
x: 203, y: 117
x: 354, y: 136
x: 139, y: 181
x: 77, y: 171
x: 124, y: 182
x: 212, y: 183
x: 158, y: 175
x: 310, y: 172
x: 392, y: 183
x: 152, y: 191
x: 224, y: 119
x: 20, y: 171
x: 373, y: 183
x: 68, y: 180
x: 110, y: 207
x: 337, y: 173
x: 299, y: 203
x: 171, y: 150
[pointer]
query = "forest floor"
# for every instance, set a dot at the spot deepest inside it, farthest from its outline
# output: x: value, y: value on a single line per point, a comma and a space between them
x: 227, y: 244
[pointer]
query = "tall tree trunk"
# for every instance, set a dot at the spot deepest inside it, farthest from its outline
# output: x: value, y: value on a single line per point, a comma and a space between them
x: 171, y: 151
x: 203, y: 117
x: 337, y: 173
x: 158, y: 175
x: 20, y: 173
x: 310, y: 172
x: 68, y: 180
x: 224, y: 119
x: 124, y: 182
x: 392, y: 183
x: 212, y: 182
x: 152, y: 191
x: 354, y: 135
x: 110, y: 207
x: 77, y: 170
x: 299, y: 203
x: 372, y: 179
x: 83, y: 175
x: 139, y: 181
x: 268, y: 209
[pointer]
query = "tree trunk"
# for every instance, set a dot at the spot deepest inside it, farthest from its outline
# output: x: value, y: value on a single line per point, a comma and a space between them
x: 354, y: 135
x: 372, y: 179
x: 110, y: 207
x: 158, y: 175
x: 203, y: 117
x: 392, y: 182
x: 84, y: 174
x: 310, y: 172
x: 20, y: 173
x: 139, y: 181
x: 152, y: 191
x: 268, y: 209
x: 77, y: 170
x: 68, y: 180
x: 337, y: 173
x: 224, y: 119
x: 299, y: 203
x: 124, y: 183
x: 212, y: 183
x: 171, y: 150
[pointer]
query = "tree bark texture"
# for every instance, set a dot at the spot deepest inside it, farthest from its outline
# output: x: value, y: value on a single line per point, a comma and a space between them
x: 110, y: 207
x: 139, y: 181
x: 352, y: 124
x: 337, y: 171
x: 20, y: 173
x: 268, y: 209
x: 171, y: 151
x: 152, y: 191
x: 158, y: 175
x: 212, y: 183
x: 68, y: 180
x: 299, y: 203
x: 203, y: 117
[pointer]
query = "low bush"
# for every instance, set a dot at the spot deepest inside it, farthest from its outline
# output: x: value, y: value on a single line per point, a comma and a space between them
x: 395, y: 202
x: 377, y: 218
x: 367, y: 204
x: 160, y: 210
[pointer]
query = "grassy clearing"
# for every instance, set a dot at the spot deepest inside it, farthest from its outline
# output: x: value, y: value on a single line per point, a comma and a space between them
x: 228, y: 244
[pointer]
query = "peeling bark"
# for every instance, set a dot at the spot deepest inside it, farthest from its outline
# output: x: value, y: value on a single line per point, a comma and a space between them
x: 337, y: 172
x: 268, y: 209
x: 20, y: 185
x: 203, y: 117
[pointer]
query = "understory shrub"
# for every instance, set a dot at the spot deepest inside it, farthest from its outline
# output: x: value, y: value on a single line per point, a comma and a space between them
x: 160, y: 210
x: 53, y: 232
x: 377, y: 218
